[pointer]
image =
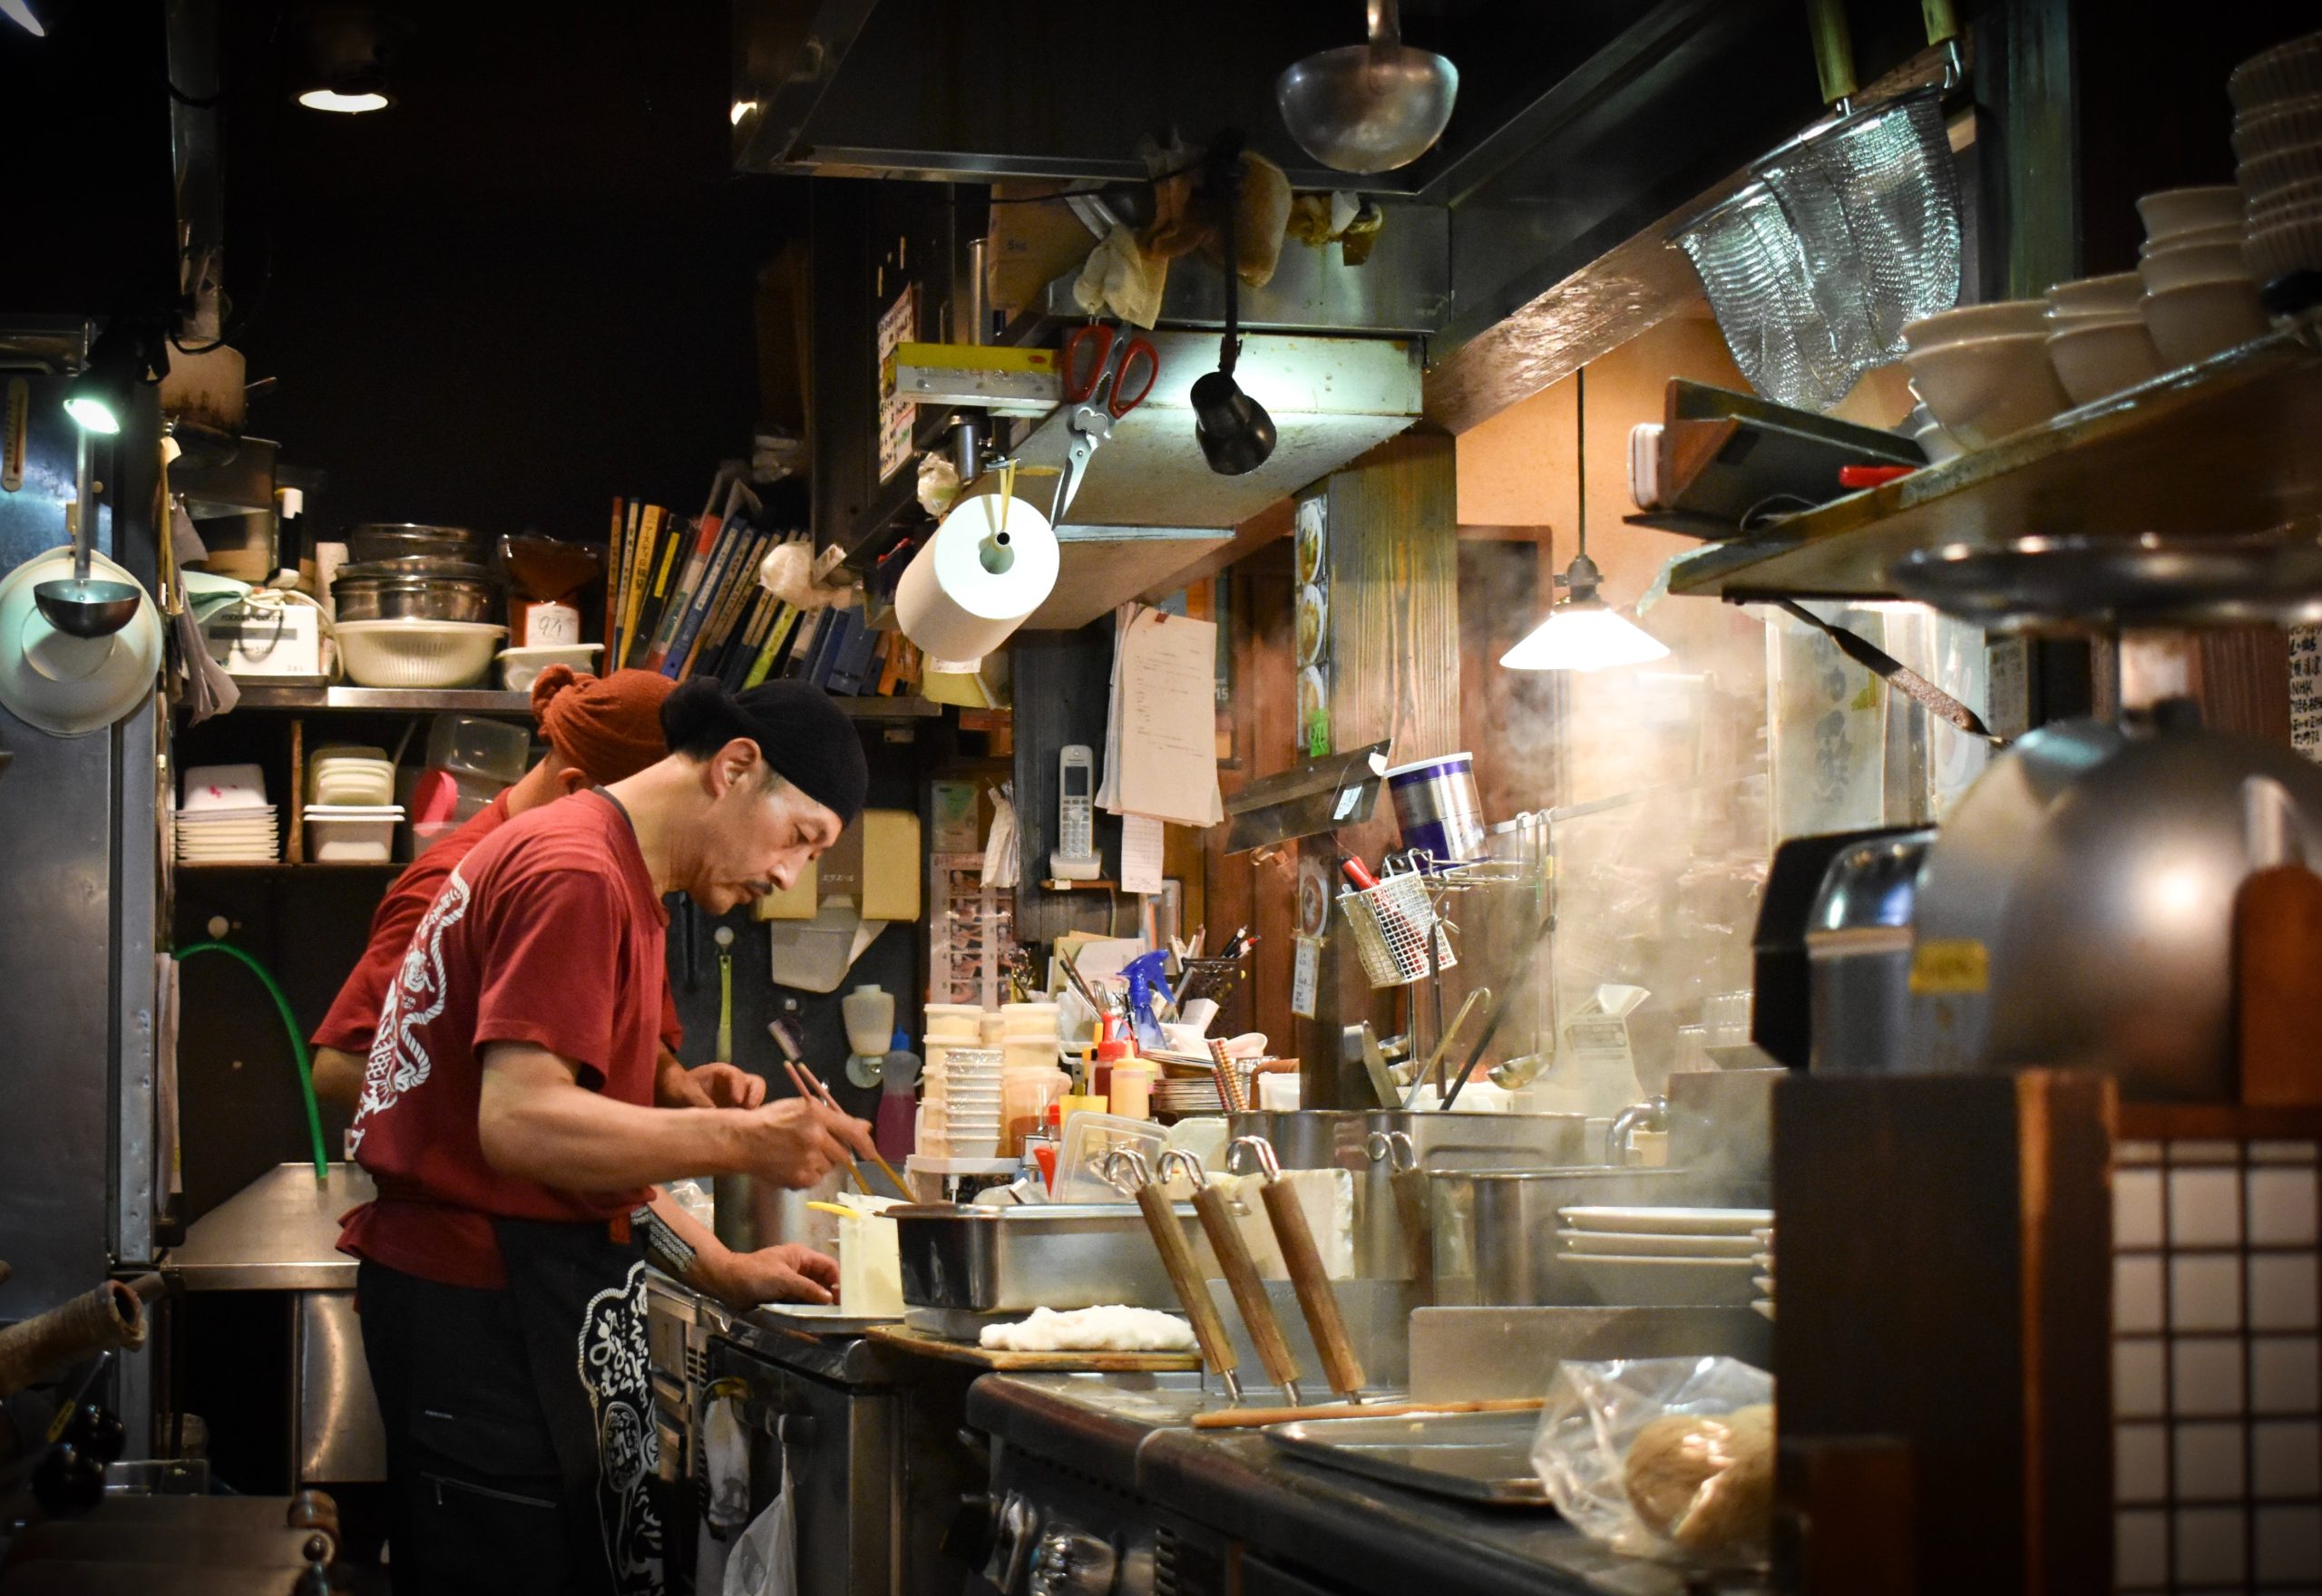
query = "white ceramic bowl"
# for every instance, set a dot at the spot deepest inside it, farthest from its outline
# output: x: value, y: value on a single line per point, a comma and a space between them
x: 416, y: 653
x: 2192, y: 323
x: 2096, y: 359
x: 2266, y: 177
x: 2295, y: 245
x: 2107, y: 296
x: 2232, y: 233
x: 1984, y: 389
x: 2300, y: 200
x: 2277, y: 126
x: 2172, y: 211
x: 520, y: 668
x: 2173, y: 266
x: 2286, y: 71
x: 1977, y: 321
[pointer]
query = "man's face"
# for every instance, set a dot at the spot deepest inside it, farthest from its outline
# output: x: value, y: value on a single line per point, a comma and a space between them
x: 762, y: 833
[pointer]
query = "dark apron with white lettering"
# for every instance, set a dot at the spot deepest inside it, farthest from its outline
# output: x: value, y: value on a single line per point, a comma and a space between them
x: 580, y: 1298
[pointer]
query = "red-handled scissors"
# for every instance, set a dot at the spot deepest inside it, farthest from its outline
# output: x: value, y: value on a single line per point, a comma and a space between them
x: 1091, y: 372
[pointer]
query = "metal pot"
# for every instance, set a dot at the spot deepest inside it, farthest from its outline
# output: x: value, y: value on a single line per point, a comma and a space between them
x: 1446, y: 1143
x: 1495, y: 1241
x: 1859, y: 955
x: 377, y: 540
x: 419, y: 587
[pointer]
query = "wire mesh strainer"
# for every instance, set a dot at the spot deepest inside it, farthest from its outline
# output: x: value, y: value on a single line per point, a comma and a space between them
x: 1393, y: 924
x: 1841, y: 238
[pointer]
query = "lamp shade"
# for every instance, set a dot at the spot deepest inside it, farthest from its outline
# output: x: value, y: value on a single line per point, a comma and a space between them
x: 1583, y: 635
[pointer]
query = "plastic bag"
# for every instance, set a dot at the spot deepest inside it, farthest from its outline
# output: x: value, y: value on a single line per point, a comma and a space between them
x: 1669, y: 1457
x: 765, y: 1560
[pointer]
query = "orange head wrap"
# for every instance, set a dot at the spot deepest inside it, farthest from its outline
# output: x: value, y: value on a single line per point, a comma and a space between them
x: 609, y: 727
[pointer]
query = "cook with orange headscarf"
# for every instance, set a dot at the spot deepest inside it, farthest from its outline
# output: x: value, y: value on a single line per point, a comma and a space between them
x: 599, y: 729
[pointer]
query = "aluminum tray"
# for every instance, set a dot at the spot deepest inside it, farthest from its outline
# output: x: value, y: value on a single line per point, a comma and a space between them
x: 1060, y: 1255
x: 1473, y: 1456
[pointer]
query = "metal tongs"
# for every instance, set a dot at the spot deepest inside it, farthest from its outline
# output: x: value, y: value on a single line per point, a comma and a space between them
x: 1317, y: 1301
x: 1125, y: 1171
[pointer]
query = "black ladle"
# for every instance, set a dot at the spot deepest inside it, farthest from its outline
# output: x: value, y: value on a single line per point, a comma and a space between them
x: 1234, y: 430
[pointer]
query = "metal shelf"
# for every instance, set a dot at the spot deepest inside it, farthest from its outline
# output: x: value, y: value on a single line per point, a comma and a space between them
x: 484, y: 701
x: 2212, y: 449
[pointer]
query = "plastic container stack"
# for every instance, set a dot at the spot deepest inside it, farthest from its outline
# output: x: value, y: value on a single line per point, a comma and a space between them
x: 351, y: 813
x: 949, y: 1026
x: 471, y: 761
x: 1031, y: 1078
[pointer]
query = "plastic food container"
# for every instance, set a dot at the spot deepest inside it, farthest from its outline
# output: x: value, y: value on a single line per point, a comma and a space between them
x: 476, y: 745
x: 520, y: 668
x: 417, y: 653
x: 352, y: 835
x: 1087, y: 1138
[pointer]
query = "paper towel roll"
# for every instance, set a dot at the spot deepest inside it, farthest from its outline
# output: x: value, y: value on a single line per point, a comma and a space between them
x: 953, y: 604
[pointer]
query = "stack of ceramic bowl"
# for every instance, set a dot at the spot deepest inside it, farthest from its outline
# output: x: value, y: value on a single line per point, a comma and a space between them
x: 223, y: 818
x: 1982, y: 370
x: 2198, y: 298
x: 2096, y: 337
x: 2278, y: 138
x: 949, y: 1026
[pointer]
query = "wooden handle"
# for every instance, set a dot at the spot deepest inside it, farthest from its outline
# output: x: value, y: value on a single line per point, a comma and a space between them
x: 1833, y: 49
x: 1411, y: 1195
x: 1209, y: 1328
x: 1942, y: 26
x: 1311, y: 1282
x: 2278, y: 986
x: 1249, y: 1289
x: 1252, y: 1419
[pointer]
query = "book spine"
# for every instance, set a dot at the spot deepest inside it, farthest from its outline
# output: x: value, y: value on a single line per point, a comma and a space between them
x: 669, y: 543
x: 776, y: 647
x: 617, y: 553
x: 696, y: 608
x: 811, y: 638
x: 891, y: 668
x: 680, y: 597
x: 635, y: 568
x: 732, y: 592
x: 742, y: 647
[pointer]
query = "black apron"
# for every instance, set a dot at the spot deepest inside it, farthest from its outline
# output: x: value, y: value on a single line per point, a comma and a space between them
x: 579, y: 1302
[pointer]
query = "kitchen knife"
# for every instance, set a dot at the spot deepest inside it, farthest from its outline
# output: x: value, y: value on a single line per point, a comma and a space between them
x: 1316, y: 1298
x: 1241, y: 1272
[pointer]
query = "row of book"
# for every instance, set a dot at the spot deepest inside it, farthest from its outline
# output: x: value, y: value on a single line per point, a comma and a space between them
x: 682, y: 598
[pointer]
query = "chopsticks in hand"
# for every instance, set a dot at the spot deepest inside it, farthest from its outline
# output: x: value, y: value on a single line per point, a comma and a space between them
x: 810, y: 1086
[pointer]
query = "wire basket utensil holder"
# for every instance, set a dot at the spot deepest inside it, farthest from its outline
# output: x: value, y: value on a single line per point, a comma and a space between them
x: 1398, y: 934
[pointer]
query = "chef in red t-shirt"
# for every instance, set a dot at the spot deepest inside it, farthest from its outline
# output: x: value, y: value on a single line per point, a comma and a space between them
x: 508, y: 1116
x: 598, y: 729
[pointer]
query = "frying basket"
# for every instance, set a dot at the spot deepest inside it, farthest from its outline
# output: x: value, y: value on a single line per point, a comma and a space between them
x: 1393, y: 923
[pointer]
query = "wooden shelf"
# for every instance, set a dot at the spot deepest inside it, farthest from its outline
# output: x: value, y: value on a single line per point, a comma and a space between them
x: 205, y: 867
x: 871, y: 706
x: 2220, y: 448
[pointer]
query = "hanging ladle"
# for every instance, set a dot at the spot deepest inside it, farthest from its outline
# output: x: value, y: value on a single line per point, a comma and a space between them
x: 1369, y: 107
x: 76, y: 606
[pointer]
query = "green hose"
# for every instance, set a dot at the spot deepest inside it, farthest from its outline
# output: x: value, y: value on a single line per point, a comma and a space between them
x: 298, y: 1045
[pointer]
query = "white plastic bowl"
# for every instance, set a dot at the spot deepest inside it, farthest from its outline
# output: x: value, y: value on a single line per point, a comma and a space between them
x: 2289, y: 70
x: 2172, y: 211
x: 2232, y: 234
x: 1977, y: 321
x: 2292, y: 245
x: 361, y: 834
x: 2268, y: 176
x: 2173, y: 266
x: 2280, y: 125
x: 1983, y: 389
x: 2192, y: 323
x: 520, y: 668
x: 2096, y: 359
x: 416, y: 653
x: 2109, y: 297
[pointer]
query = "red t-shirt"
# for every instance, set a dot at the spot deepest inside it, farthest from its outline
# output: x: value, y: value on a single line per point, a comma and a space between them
x: 549, y: 932
x: 354, y: 1018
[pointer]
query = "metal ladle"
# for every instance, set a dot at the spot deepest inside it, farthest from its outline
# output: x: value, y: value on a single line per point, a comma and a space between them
x: 81, y: 607
x: 1369, y: 107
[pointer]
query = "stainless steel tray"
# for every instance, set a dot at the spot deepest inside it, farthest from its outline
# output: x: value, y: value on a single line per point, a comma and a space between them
x: 1473, y: 1456
x: 819, y: 1319
x: 1010, y: 1260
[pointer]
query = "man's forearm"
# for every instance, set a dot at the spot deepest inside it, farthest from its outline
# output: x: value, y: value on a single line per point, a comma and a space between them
x: 709, y: 1253
x: 584, y: 1140
x: 338, y: 1078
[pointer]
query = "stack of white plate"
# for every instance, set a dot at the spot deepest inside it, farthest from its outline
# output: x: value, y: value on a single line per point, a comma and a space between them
x: 2277, y: 140
x: 1663, y: 1254
x: 240, y: 833
x: 223, y: 818
x: 350, y: 776
x: 1764, y: 1301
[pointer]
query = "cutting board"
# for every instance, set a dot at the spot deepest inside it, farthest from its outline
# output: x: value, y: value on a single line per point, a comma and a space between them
x: 904, y: 1338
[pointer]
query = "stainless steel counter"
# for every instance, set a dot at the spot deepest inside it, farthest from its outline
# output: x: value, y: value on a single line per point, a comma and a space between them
x: 279, y: 1234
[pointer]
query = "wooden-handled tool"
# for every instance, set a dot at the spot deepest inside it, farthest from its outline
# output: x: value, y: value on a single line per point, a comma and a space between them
x: 1177, y: 1257
x: 1241, y: 1272
x: 1308, y: 1277
x: 1253, y: 1418
x: 1408, y: 1183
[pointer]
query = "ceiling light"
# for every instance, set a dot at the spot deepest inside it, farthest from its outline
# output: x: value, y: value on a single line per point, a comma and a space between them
x: 20, y: 12
x: 1584, y: 632
x: 742, y: 108
x: 346, y: 102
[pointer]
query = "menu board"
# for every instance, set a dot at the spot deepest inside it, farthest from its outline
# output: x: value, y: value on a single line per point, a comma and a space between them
x: 897, y: 416
x: 2306, y: 690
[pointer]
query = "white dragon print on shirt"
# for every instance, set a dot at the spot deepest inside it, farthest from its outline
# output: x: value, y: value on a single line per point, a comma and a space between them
x: 612, y: 1369
x: 398, y: 1060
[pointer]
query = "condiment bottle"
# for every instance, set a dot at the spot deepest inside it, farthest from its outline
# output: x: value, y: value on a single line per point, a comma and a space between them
x: 1132, y: 1089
